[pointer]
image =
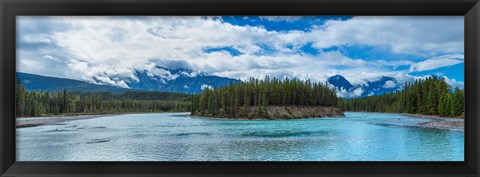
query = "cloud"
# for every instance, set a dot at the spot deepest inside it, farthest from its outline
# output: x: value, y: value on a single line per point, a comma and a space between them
x: 108, y: 81
x: 205, y: 86
x: 436, y: 62
x: 358, y: 92
x: 389, y: 84
x: 342, y: 92
x: 454, y: 83
x: 395, y: 63
x: 88, y: 48
x: 422, y: 36
x: 152, y: 70
x: 280, y: 18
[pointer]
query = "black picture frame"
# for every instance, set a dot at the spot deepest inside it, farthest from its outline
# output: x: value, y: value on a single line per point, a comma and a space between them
x: 9, y: 9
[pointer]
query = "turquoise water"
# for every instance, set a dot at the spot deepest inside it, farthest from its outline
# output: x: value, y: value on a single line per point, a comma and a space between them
x: 178, y: 137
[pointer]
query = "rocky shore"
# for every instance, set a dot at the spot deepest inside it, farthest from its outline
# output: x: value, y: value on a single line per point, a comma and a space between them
x: 440, y: 122
x: 23, y: 122
x: 280, y: 112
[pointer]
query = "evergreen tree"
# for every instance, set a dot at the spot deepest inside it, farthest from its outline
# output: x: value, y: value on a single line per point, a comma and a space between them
x: 458, y: 102
x: 259, y: 94
x: 42, y: 103
x: 430, y: 96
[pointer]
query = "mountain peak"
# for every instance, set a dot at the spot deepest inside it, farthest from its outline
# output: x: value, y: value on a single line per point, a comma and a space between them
x: 340, y: 82
x: 338, y: 76
x: 160, y: 78
x: 384, y: 84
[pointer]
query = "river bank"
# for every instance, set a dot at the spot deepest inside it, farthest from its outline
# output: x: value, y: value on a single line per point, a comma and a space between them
x: 439, y: 122
x: 23, y: 122
x: 277, y: 113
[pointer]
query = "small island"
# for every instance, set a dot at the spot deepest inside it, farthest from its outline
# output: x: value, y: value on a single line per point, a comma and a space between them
x: 267, y: 99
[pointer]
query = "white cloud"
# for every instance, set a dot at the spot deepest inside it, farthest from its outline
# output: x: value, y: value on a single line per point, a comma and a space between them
x: 205, y: 86
x: 389, y: 84
x: 342, y: 92
x: 31, y: 38
x: 122, y: 84
x: 421, y: 36
x: 437, y: 62
x: 454, y: 83
x: 281, y: 18
x: 358, y: 92
x: 109, y: 81
x: 395, y: 63
x: 152, y: 70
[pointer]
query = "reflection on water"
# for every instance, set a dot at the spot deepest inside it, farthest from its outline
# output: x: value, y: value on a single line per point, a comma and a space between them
x: 170, y: 137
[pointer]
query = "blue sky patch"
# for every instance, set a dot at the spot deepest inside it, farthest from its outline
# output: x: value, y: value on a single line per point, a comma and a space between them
x: 453, y: 71
x: 231, y: 50
x: 309, y: 49
x: 301, y: 23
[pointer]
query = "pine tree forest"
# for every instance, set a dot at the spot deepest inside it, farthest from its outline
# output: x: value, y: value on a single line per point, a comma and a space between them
x: 44, y: 103
x: 237, y: 98
x: 430, y: 96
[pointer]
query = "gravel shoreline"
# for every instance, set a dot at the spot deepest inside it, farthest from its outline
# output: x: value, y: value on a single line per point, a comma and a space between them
x: 24, y: 122
x: 277, y: 113
x: 456, y: 123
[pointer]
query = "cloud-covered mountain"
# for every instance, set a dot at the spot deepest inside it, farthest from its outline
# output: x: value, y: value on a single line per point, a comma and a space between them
x: 375, y: 87
x: 169, y: 80
x: 174, y: 80
x: 188, y: 81
x: 44, y: 83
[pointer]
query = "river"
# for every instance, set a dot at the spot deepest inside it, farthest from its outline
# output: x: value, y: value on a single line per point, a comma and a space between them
x: 179, y: 137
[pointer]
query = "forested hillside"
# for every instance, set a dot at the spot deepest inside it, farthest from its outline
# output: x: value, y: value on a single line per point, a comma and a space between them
x: 430, y: 96
x: 43, y: 103
x: 236, y: 100
x: 258, y: 98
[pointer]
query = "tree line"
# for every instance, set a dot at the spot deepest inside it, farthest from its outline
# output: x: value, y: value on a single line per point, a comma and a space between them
x: 44, y: 103
x: 236, y: 99
x: 429, y: 96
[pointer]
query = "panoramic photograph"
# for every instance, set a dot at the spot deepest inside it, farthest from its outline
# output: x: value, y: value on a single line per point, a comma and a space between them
x: 239, y: 88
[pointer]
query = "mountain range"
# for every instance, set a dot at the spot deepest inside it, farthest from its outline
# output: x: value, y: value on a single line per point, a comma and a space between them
x: 166, y: 80
x: 383, y: 85
x: 187, y: 81
x: 53, y: 84
x: 176, y: 80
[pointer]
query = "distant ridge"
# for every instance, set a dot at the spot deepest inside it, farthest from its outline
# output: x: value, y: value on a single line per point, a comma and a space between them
x: 184, y: 81
x: 384, y: 84
x: 179, y: 80
x: 45, y: 83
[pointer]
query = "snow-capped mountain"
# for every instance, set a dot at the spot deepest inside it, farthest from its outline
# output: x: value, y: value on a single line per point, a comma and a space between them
x: 187, y: 81
x: 375, y: 87
x: 340, y: 82
x: 54, y: 84
x: 175, y: 80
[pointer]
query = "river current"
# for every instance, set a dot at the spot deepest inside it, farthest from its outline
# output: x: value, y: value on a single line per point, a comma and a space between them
x: 179, y: 137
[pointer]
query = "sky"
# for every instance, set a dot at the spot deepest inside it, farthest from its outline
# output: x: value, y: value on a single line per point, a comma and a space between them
x: 360, y: 48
